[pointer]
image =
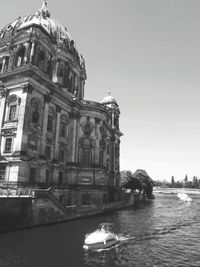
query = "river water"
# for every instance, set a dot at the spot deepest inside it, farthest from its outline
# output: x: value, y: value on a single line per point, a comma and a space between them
x: 165, y: 232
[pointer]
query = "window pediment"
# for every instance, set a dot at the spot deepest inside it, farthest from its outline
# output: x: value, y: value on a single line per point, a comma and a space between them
x: 13, y: 99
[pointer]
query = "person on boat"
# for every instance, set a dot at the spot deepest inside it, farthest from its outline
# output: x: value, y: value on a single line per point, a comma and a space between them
x: 103, y: 229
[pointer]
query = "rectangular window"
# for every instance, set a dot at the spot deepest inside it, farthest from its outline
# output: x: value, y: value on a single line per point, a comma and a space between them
x: 108, y: 149
x: 12, y: 114
x: 63, y: 129
x: 50, y: 123
x: 62, y: 155
x: 104, y: 198
x: 60, y: 178
x: 47, y: 176
x: 8, y: 145
x: 86, y: 199
x: 86, y: 156
x: 48, y: 152
x: 2, y: 172
x: 1, y: 65
x: 32, y: 175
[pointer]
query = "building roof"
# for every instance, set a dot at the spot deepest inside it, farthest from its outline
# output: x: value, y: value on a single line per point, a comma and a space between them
x: 41, y: 18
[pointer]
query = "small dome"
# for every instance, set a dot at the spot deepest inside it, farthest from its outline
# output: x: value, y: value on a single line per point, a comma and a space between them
x: 109, y: 100
x: 41, y: 18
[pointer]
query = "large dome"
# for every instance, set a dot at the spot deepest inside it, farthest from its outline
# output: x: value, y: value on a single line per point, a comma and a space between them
x: 41, y: 18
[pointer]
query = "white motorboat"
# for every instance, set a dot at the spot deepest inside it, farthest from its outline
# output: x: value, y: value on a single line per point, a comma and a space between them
x: 104, y: 237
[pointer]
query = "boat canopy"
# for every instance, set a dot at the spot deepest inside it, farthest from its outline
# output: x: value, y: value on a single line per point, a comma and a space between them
x: 111, y: 227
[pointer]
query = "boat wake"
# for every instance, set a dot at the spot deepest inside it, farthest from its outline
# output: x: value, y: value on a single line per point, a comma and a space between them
x: 184, y: 197
x: 123, y: 238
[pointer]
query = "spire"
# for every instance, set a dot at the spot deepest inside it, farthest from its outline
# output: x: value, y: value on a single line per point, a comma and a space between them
x: 44, y: 10
x: 109, y: 92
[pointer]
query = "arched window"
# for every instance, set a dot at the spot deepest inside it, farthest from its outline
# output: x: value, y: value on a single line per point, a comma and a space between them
x: 51, y: 120
x: 50, y: 123
x: 62, y: 153
x: 87, y: 129
x: 63, y: 129
x: 63, y: 126
x: 13, y: 102
x: 36, y: 111
x: 70, y: 82
x: 41, y: 60
x: 20, y: 54
x: 1, y: 65
x: 49, y: 67
x: 86, y: 146
x: 2, y: 171
x: 101, y: 152
x: 61, y: 72
x: 86, y: 155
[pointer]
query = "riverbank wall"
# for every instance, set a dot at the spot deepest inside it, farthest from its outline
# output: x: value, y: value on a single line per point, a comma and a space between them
x: 41, y: 207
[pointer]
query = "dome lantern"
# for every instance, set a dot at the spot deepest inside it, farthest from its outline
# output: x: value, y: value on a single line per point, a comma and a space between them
x: 44, y: 10
x: 109, y: 101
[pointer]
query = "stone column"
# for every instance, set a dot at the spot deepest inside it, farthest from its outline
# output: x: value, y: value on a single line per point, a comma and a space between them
x: 32, y: 51
x: 26, y: 53
x: 55, y: 72
x: 113, y: 118
x: 82, y: 83
x: 27, y: 90
x: 3, y: 66
x: 112, y: 159
x: 12, y: 57
x: 96, y: 138
x: 56, y: 148
x: 46, y: 61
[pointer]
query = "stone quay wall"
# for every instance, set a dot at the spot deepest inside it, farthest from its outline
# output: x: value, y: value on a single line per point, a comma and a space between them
x: 41, y: 208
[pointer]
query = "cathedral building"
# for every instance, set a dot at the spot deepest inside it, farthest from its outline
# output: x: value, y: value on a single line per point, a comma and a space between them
x: 50, y: 135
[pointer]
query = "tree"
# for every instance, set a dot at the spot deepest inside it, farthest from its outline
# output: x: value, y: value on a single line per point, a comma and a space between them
x: 195, y: 182
x: 172, y: 181
x: 124, y: 176
x: 186, y: 181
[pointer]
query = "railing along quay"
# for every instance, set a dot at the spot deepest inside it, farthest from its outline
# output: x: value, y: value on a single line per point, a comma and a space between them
x: 17, y: 193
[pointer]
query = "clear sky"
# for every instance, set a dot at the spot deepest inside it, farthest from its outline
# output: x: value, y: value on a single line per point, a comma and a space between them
x: 147, y: 52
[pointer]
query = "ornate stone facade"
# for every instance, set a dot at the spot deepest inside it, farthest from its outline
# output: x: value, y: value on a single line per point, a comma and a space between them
x: 50, y: 135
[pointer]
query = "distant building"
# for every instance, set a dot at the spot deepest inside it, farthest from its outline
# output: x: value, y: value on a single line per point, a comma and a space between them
x: 50, y: 135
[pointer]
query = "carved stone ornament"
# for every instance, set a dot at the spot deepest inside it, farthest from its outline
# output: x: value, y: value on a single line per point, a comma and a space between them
x: 3, y: 90
x: 8, y: 132
x: 47, y: 98
x: 97, y: 120
x: 58, y: 108
x: 74, y: 115
x: 27, y: 88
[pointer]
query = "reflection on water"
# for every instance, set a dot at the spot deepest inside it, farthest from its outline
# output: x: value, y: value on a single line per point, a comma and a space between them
x: 165, y: 232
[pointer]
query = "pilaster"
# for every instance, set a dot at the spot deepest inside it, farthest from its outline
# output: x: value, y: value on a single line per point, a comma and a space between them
x: 56, y: 151
x: 45, y: 121
x: 3, y: 95
x: 20, y: 125
x: 74, y: 117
